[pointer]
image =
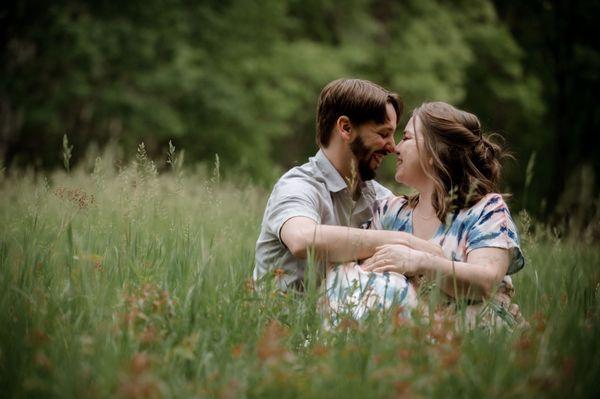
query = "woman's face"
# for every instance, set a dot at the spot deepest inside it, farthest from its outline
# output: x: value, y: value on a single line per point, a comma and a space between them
x: 409, y: 168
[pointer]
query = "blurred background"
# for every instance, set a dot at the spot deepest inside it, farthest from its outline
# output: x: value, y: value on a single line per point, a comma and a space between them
x: 241, y: 78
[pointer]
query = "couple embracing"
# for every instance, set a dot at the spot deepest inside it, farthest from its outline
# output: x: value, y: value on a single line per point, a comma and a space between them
x: 456, y: 229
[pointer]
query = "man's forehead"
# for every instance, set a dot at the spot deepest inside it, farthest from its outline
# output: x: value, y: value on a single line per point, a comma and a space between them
x: 390, y: 122
x: 392, y: 117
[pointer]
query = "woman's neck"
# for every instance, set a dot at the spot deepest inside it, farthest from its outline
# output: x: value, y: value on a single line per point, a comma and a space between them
x: 424, y: 217
x: 424, y: 208
x: 425, y: 205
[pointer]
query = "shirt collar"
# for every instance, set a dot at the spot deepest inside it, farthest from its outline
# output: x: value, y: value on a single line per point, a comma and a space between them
x: 333, y: 180
x: 367, y: 190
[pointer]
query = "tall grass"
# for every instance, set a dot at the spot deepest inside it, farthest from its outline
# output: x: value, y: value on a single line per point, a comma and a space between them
x: 127, y: 283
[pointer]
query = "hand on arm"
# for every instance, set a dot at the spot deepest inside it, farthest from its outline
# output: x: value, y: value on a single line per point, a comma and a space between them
x: 424, y: 246
x: 476, y: 278
x: 395, y: 258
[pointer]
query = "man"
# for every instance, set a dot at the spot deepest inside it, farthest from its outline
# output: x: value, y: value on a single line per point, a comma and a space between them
x: 321, y: 204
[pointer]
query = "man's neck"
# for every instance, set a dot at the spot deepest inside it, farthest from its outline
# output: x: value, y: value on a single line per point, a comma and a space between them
x: 342, y: 162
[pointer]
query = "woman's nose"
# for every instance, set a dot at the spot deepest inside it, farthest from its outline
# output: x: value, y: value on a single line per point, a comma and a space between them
x: 397, y: 148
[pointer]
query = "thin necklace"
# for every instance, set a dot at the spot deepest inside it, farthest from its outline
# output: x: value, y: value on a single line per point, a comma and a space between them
x: 423, y: 217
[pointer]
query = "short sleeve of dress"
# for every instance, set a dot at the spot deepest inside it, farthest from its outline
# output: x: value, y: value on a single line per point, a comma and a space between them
x: 495, y: 228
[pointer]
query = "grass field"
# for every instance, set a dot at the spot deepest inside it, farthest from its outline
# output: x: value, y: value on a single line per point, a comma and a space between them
x: 133, y: 284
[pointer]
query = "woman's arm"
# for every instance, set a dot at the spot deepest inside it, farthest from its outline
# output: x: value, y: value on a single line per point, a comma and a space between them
x: 475, y: 279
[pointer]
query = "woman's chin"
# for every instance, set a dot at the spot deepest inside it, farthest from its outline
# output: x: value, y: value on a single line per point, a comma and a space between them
x: 399, y: 178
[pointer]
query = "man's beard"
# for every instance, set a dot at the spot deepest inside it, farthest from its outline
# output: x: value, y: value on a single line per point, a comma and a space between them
x: 363, y: 155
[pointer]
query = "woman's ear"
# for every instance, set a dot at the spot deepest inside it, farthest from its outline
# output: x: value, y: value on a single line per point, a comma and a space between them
x: 344, y: 128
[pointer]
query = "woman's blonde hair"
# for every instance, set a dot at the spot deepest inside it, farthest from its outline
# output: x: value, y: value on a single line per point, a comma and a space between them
x: 463, y: 163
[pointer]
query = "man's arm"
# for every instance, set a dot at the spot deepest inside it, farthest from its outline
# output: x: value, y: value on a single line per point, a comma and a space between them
x: 340, y: 243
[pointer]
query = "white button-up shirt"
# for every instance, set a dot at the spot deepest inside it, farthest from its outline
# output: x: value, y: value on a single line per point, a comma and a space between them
x: 317, y: 191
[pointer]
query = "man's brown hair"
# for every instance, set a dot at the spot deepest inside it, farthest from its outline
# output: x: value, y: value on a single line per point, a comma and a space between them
x: 360, y: 100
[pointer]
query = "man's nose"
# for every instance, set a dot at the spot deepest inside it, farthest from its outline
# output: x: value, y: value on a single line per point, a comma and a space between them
x: 390, y: 145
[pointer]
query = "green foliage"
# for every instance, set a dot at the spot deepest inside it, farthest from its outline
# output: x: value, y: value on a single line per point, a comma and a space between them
x: 561, y: 49
x: 67, y: 152
x: 427, y: 54
x: 241, y: 78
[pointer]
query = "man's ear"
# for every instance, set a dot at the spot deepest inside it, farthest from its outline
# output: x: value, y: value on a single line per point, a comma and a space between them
x: 344, y: 128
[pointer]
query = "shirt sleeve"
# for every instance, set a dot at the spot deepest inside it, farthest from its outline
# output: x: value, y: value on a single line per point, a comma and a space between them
x: 292, y: 199
x: 495, y: 228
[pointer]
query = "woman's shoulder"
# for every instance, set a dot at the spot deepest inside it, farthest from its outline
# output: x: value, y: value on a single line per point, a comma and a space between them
x: 489, y: 202
x: 392, y: 204
x: 490, y: 212
x: 490, y: 206
x: 491, y: 225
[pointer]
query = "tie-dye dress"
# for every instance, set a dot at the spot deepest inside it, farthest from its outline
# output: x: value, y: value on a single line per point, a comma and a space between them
x: 488, y: 223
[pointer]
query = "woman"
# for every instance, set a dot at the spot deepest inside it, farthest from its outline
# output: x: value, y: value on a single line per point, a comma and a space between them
x: 455, y: 170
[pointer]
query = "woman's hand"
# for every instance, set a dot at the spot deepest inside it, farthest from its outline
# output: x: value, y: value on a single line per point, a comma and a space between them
x: 422, y: 245
x: 396, y: 258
